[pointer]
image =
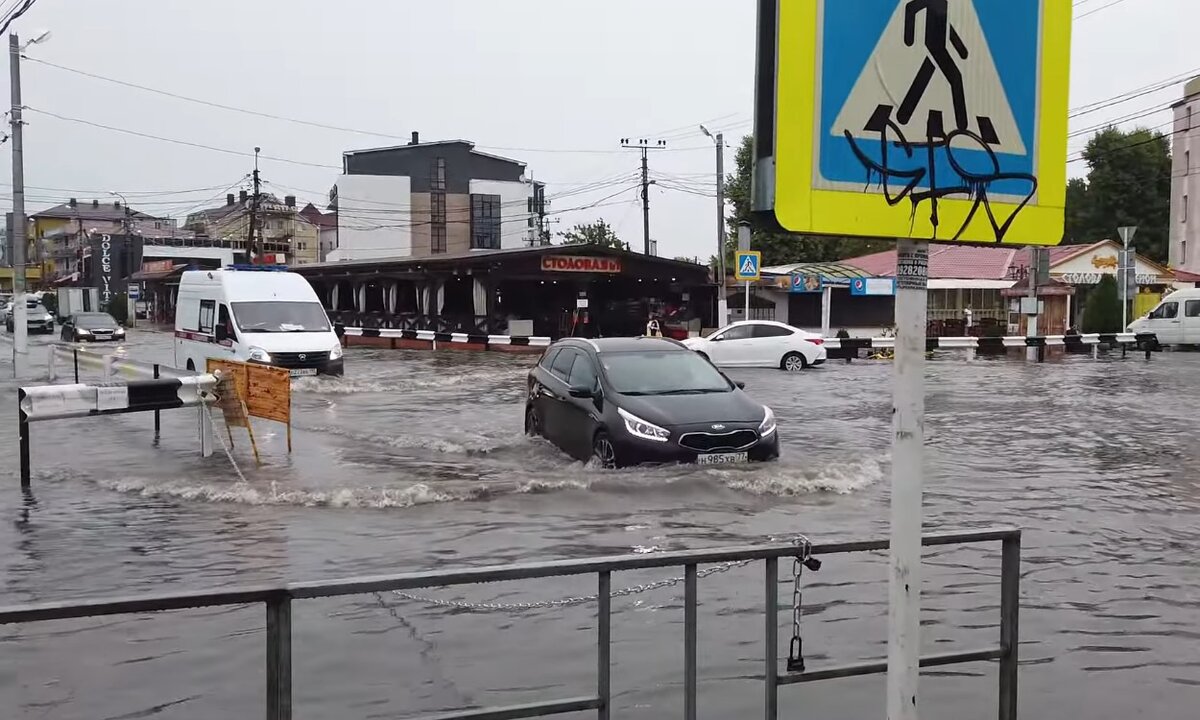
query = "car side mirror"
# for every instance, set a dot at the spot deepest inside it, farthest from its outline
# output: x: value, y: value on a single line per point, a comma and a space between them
x: 581, y: 391
x: 740, y: 385
x: 221, y: 332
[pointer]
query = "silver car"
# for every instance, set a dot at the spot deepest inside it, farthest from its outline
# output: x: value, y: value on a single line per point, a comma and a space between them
x: 37, y: 318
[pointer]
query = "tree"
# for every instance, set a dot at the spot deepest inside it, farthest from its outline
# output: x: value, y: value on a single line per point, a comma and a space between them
x: 1128, y: 183
x: 782, y: 248
x: 594, y: 233
x: 118, y: 307
x: 1102, y: 314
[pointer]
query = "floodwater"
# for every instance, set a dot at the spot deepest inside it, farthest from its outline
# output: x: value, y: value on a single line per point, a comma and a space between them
x: 417, y: 461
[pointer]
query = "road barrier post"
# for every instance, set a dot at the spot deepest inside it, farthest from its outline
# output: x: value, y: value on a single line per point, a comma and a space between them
x: 75, y: 352
x: 157, y: 425
x: 23, y: 431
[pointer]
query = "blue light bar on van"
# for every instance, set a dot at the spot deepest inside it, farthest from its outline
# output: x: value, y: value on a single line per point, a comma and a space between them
x: 257, y: 268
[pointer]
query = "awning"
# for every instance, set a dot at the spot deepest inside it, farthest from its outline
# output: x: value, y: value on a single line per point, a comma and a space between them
x: 157, y: 276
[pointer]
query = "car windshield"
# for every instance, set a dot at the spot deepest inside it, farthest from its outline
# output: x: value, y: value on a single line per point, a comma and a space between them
x: 662, y: 373
x: 280, y: 317
x: 94, y: 321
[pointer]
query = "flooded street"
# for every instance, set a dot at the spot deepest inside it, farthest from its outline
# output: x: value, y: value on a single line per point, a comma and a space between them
x: 417, y: 460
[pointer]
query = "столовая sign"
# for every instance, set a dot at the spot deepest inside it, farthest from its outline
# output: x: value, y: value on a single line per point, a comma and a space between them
x: 572, y: 263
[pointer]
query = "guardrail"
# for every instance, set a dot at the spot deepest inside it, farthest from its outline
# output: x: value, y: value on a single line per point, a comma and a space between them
x: 847, y: 348
x: 278, y: 602
x: 58, y: 402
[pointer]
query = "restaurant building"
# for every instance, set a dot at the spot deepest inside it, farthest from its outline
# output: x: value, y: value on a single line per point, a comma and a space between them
x: 542, y: 291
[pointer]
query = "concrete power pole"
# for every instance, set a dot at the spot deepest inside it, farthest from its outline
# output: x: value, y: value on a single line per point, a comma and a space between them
x: 645, y: 146
x: 20, y: 328
x: 722, y: 298
x: 253, y: 247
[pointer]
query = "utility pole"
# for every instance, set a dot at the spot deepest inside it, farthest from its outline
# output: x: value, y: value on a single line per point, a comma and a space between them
x: 252, y: 246
x: 722, y: 298
x: 644, y: 145
x: 20, y: 328
x: 1127, y: 267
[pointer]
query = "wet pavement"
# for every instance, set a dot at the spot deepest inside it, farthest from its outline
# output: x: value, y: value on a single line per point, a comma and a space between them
x: 416, y: 460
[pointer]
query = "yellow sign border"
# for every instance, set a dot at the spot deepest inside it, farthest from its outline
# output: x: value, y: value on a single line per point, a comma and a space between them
x: 737, y: 267
x: 801, y: 208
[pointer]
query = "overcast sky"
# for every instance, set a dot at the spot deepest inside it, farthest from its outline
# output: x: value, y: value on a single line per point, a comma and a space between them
x: 554, y: 83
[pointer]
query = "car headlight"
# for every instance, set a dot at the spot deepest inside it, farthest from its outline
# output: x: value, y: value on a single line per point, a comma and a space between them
x: 119, y: 331
x: 336, y: 353
x: 81, y: 331
x: 48, y: 318
x: 642, y: 429
x: 767, y: 427
x: 257, y: 354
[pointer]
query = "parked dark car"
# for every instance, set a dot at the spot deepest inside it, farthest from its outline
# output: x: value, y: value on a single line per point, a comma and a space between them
x: 630, y: 401
x: 92, y: 327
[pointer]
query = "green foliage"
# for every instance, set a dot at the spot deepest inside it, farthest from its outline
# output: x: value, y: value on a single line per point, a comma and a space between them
x: 1128, y: 183
x: 1102, y: 314
x: 118, y: 307
x: 594, y: 233
x: 781, y: 248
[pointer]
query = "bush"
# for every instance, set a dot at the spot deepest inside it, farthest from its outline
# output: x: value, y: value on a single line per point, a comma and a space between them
x: 118, y: 307
x: 1102, y: 314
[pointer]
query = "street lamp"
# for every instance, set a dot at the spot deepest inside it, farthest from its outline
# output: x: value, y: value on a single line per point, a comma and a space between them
x: 722, y: 300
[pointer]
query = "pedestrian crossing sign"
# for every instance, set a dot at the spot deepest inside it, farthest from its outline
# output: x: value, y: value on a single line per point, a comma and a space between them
x: 749, y: 266
x: 925, y: 119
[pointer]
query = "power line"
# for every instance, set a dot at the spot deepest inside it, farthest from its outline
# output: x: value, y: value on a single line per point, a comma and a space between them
x: 309, y: 123
x: 185, y: 143
x: 8, y: 21
x: 1102, y: 7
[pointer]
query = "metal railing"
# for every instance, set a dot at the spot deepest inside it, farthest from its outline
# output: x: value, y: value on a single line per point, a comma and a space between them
x: 278, y: 602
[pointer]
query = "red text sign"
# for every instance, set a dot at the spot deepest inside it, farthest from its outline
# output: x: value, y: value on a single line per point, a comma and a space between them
x: 569, y: 263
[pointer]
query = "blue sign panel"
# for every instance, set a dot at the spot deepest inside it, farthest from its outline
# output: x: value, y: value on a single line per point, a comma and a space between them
x: 873, y: 286
x: 929, y: 95
x: 802, y: 283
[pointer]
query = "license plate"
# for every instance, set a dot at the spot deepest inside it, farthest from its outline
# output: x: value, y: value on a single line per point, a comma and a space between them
x: 301, y: 372
x: 723, y: 458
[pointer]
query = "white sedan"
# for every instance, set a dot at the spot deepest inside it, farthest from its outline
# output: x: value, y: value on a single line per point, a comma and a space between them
x: 760, y: 343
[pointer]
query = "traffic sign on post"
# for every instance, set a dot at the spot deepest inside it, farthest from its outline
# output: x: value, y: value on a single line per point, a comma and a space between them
x: 748, y: 266
x: 922, y: 119
x: 913, y: 120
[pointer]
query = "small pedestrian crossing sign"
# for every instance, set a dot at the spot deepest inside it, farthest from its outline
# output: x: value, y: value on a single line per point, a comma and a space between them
x: 925, y: 119
x: 749, y: 266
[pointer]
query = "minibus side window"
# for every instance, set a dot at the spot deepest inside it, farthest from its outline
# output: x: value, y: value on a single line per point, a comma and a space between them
x: 208, y: 310
x: 1192, y: 309
x: 224, y: 321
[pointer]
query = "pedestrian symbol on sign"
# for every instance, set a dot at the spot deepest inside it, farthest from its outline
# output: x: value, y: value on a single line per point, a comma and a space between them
x: 748, y: 264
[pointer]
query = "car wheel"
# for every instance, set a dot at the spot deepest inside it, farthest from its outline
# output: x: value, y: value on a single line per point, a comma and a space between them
x: 794, y: 362
x: 604, y: 453
x: 533, y: 423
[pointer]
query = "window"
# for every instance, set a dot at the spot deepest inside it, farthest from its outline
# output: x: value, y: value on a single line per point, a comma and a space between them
x: 224, y: 321
x: 656, y: 373
x: 582, y: 373
x: 563, y: 364
x: 208, y: 310
x: 1183, y: 252
x: 770, y: 331
x: 1187, y: 161
x: 437, y: 174
x: 548, y: 359
x: 485, y: 222
x: 741, y: 332
x: 1184, y: 216
x: 437, y: 221
x: 1192, y: 309
x: 1166, y: 311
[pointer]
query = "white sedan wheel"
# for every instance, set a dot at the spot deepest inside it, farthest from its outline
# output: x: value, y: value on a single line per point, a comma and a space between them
x: 794, y: 362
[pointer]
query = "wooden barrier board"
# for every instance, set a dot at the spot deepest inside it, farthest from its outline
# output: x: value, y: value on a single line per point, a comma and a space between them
x: 265, y: 392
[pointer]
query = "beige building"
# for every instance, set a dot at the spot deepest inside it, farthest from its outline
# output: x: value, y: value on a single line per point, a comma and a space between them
x: 287, y: 237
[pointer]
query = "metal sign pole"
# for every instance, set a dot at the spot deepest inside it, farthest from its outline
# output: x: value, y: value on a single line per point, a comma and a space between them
x: 908, y: 460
